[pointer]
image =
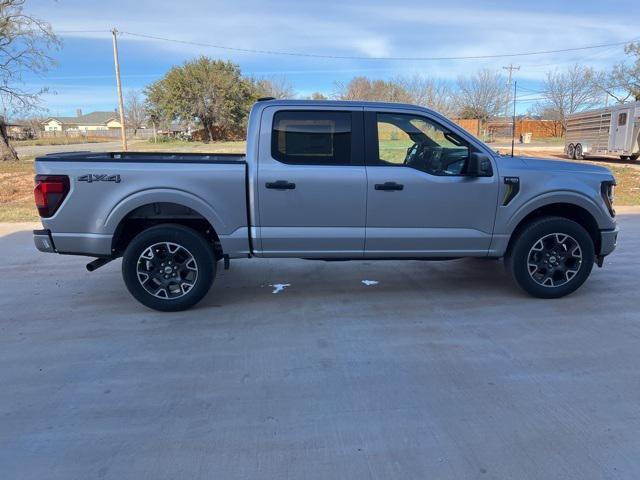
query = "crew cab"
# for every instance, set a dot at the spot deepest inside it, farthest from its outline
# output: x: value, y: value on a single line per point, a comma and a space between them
x: 328, y: 181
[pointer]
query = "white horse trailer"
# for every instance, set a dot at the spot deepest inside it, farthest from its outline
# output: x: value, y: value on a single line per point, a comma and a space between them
x: 611, y: 130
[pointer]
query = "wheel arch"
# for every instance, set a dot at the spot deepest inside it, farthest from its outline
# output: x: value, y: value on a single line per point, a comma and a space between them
x: 131, y: 217
x: 571, y: 211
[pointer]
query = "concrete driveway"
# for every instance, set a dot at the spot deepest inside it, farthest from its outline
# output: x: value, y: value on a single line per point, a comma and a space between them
x: 442, y: 370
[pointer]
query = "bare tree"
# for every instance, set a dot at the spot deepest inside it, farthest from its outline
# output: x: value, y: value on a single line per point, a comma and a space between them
x: 362, y: 88
x: 623, y: 81
x: 278, y: 86
x: 25, y: 42
x: 481, y: 96
x: 569, y: 92
x: 318, y: 96
x: 135, y: 111
x: 428, y: 92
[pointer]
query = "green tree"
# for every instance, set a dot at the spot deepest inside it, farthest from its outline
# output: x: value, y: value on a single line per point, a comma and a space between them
x: 212, y: 92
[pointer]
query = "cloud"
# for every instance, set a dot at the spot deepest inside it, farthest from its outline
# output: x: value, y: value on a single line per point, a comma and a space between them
x: 367, y: 28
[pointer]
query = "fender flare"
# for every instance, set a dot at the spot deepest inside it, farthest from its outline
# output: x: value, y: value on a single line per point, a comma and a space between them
x: 162, y: 195
x: 556, y: 197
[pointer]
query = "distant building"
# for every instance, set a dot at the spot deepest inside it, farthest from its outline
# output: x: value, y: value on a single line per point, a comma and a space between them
x: 19, y: 131
x: 83, y: 123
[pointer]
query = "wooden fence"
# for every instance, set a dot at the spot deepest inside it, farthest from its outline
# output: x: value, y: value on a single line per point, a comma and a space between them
x: 502, y: 128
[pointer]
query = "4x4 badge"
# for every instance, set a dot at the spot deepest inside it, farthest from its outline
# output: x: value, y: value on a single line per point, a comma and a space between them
x: 92, y: 177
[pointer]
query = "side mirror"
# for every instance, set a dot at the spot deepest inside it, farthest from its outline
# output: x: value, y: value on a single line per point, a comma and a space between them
x: 477, y: 165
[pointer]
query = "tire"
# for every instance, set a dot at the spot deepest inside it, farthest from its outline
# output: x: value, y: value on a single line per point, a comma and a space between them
x: 578, y: 153
x: 633, y: 158
x: 571, y: 151
x: 184, y: 274
x: 625, y: 158
x: 543, y: 259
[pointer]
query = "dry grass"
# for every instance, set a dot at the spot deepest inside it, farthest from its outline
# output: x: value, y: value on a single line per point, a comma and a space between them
x: 16, y: 192
x: 628, y: 188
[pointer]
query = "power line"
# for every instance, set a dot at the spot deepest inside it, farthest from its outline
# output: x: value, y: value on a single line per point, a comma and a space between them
x: 352, y: 57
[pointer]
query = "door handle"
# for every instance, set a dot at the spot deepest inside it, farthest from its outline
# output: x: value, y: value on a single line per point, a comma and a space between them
x: 281, y: 185
x: 388, y: 186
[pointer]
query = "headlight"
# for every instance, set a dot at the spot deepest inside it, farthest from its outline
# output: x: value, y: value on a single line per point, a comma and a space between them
x: 608, y: 195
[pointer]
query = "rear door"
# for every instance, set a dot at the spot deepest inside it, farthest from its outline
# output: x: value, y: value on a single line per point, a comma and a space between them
x: 311, y: 182
x: 621, y: 121
x: 420, y: 202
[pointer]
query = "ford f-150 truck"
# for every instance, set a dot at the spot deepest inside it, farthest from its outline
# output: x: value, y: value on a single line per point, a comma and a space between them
x: 330, y: 181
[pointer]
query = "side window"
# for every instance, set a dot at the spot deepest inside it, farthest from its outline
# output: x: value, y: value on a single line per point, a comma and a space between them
x: 622, y: 119
x: 393, y: 143
x: 311, y: 138
x: 417, y: 142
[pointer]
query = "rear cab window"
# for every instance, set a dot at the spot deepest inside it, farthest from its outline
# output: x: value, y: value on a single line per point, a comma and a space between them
x: 304, y: 137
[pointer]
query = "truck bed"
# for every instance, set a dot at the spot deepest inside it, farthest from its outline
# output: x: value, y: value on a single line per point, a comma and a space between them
x: 144, y: 157
x: 108, y: 188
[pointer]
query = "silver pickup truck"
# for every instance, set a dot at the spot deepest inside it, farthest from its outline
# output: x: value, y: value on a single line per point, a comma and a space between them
x: 328, y: 181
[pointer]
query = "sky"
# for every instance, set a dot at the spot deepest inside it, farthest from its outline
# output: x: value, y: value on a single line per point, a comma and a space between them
x: 84, y: 75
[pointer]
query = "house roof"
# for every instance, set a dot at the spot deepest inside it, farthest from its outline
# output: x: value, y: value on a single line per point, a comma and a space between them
x: 93, y: 118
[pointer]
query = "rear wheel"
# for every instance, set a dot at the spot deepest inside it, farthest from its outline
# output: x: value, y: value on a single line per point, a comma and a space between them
x: 579, y: 154
x: 571, y: 151
x: 168, y: 267
x: 625, y: 158
x: 634, y: 157
x: 551, y: 257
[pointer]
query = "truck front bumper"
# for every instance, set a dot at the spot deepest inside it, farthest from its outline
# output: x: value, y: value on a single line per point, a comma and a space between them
x: 608, y: 241
x: 43, y: 241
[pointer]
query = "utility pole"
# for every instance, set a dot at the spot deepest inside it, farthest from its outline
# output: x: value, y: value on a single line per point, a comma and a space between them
x: 123, y: 129
x: 513, y: 121
x: 511, y: 67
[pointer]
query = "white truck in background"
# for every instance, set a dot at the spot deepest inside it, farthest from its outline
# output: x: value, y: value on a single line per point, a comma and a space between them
x: 613, y: 130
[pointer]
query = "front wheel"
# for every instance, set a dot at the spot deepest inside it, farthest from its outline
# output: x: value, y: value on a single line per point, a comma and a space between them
x: 551, y: 257
x: 168, y: 267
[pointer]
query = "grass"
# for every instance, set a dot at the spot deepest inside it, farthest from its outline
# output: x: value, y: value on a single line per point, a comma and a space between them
x: 16, y: 178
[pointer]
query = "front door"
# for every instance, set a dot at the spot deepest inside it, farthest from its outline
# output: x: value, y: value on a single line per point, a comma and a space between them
x: 420, y: 202
x: 311, y: 183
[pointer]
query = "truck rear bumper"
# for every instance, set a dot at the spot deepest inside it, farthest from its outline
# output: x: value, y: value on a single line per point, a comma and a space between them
x: 608, y: 241
x: 43, y: 241
x: 89, y: 244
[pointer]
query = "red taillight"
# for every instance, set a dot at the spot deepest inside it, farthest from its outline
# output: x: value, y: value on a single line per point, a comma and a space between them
x: 50, y: 192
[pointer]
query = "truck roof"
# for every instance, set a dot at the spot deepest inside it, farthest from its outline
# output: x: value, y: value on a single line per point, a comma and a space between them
x: 337, y: 103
